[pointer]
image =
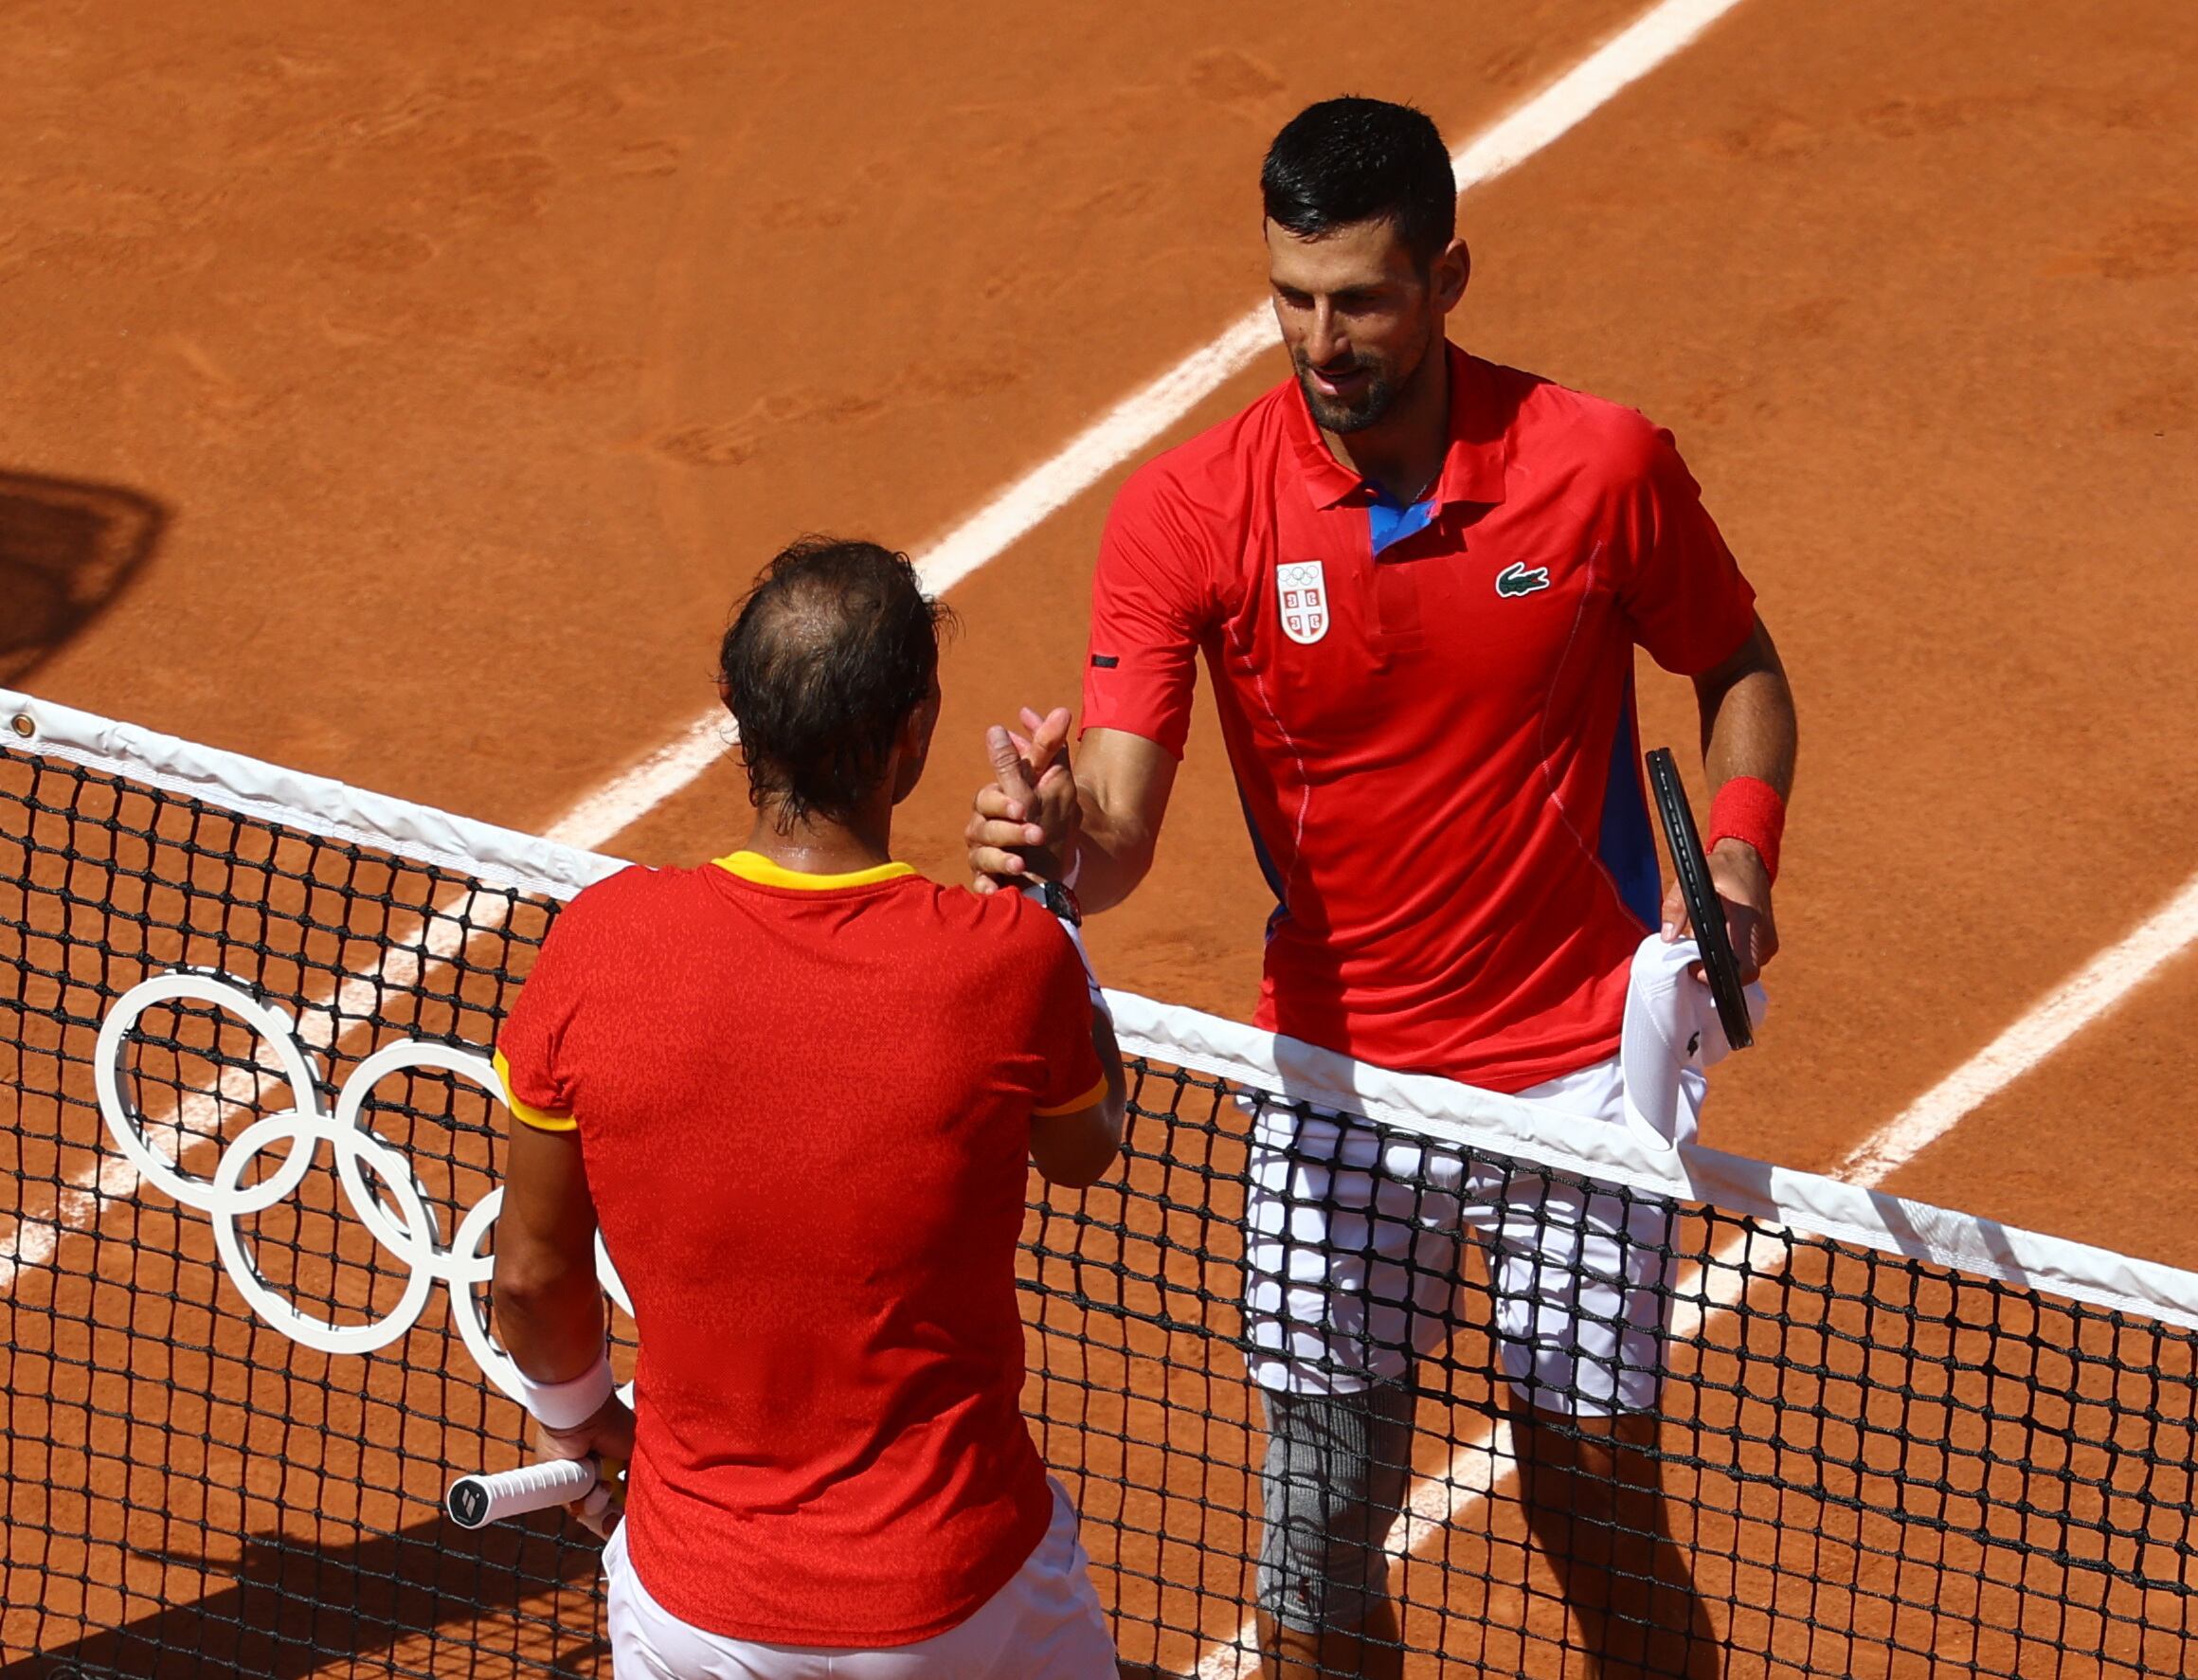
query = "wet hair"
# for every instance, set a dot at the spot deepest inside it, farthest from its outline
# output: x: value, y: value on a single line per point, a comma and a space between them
x: 1346, y: 161
x: 830, y: 651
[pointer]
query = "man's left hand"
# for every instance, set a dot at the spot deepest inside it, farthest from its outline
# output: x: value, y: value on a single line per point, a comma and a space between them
x: 1744, y: 885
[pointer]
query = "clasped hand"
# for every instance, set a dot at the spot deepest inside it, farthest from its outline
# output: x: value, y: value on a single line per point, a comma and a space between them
x: 1023, y: 823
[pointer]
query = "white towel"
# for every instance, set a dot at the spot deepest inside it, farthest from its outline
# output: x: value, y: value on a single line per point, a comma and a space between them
x: 1671, y: 1038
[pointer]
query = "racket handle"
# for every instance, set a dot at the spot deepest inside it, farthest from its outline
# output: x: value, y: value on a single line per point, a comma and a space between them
x: 473, y: 1502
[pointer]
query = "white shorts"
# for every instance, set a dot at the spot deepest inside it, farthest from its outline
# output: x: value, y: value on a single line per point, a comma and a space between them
x: 1044, y: 1624
x: 1352, y: 1260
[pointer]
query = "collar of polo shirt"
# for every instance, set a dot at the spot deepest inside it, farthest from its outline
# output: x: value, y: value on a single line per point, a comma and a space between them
x: 1473, y: 467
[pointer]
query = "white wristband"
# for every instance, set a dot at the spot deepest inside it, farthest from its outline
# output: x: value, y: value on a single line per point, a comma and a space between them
x: 568, y: 1406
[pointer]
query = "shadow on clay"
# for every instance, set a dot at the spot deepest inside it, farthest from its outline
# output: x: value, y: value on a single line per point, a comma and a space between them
x: 67, y: 550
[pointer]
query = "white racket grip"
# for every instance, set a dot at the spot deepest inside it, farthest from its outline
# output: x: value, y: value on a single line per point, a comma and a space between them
x: 474, y: 1502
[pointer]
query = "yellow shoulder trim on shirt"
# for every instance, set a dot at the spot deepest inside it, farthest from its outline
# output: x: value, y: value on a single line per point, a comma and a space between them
x: 754, y: 866
x: 540, y: 1119
x: 1091, y: 1098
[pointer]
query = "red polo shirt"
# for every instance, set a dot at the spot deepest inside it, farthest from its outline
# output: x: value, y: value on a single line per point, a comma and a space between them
x: 804, y: 1105
x: 1429, y: 710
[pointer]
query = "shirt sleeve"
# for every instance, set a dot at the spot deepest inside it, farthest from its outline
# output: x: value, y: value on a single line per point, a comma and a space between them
x: 1148, y: 616
x: 1073, y: 1078
x: 1684, y: 595
x: 530, y: 1063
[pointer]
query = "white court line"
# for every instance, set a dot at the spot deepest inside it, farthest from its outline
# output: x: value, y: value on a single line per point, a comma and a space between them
x: 1484, y: 1463
x: 1141, y: 418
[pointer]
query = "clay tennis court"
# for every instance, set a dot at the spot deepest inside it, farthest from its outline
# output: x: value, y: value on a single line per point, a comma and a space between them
x: 406, y: 399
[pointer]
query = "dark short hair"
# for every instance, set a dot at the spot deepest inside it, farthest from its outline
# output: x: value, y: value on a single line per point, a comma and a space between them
x: 1346, y: 161
x: 830, y: 651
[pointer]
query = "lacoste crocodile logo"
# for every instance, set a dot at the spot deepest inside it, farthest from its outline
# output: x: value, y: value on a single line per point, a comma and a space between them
x: 1516, y: 580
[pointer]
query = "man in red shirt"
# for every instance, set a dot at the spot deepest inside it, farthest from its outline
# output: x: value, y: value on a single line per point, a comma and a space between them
x: 1417, y: 580
x: 798, y: 1090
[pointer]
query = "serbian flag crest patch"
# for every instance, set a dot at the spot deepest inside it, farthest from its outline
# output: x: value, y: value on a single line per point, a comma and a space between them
x: 1302, y: 597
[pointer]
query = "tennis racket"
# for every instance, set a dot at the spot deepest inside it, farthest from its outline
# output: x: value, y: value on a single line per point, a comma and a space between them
x: 1704, y: 908
x: 474, y: 1502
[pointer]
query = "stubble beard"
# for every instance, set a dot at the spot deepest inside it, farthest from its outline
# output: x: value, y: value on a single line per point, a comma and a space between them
x: 1384, y: 386
x: 1334, y: 415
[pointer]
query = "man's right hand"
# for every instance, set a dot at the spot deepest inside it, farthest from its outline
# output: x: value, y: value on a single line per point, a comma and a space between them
x: 608, y: 1438
x: 1023, y: 823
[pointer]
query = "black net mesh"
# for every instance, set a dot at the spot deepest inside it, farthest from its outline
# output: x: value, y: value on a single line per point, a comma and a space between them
x: 1861, y: 1465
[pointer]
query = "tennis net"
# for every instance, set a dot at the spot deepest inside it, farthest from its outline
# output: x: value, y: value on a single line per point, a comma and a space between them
x: 247, y: 1135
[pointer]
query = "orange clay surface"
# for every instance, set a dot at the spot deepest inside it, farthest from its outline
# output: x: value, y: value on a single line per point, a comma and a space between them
x: 471, y: 359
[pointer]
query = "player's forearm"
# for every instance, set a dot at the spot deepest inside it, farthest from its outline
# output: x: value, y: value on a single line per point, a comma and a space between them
x: 1122, y: 782
x: 548, y: 1311
x: 1747, y: 723
x: 1111, y: 854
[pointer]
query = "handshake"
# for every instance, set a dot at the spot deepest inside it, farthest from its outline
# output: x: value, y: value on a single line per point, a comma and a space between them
x: 1025, y: 824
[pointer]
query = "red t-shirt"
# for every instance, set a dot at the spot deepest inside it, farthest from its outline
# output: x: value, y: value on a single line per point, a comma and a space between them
x: 1429, y: 710
x: 804, y: 1105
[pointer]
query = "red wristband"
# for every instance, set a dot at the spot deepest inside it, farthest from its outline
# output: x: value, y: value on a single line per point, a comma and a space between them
x: 1748, y: 808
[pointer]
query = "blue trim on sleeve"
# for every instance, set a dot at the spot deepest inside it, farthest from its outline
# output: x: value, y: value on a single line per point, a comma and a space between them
x: 1627, y: 843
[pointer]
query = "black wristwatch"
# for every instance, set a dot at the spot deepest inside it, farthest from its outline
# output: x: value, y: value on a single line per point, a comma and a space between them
x: 1058, y: 899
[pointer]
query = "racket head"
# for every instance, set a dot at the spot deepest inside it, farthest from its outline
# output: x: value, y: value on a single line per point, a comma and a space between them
x: 1705, y: 909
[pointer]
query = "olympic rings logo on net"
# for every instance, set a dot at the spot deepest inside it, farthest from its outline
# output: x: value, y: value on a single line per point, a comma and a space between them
x: 414, y: 1234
